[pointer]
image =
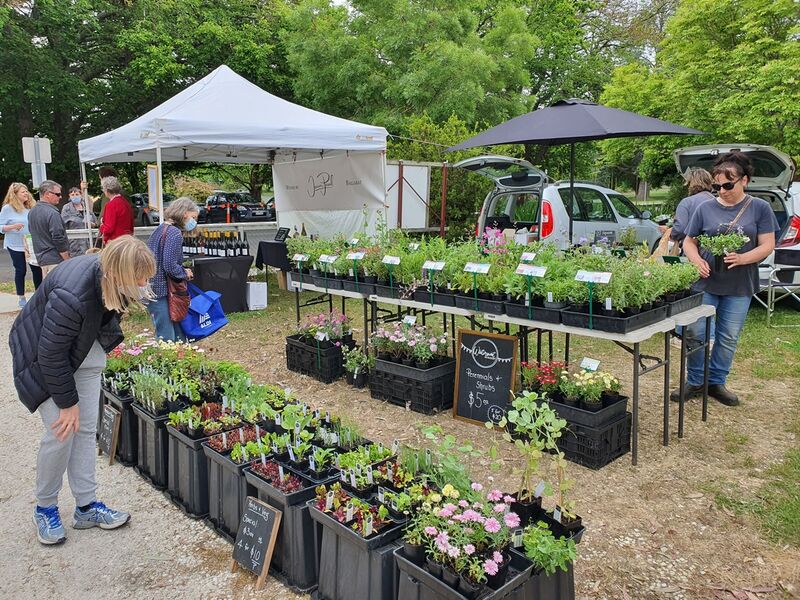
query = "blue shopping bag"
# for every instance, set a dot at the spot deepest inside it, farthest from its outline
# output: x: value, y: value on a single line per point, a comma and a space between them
x: 205, y: 314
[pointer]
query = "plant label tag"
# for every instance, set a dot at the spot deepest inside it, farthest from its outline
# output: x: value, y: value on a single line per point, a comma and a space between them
x: 593, y: 276
x: 539, y: 490
x: 258, y: 434
x: 241, y: 435
x: 381, y: 493
x: 224, y: 439
x: 413, y: 246
x: 232, y: 409
x: 353, y: 478
x: 368, y: 526
x: 297, y: 428
x: 263, y: 459
x: 393, y: 504
x: 327, y: 417
x: 428, y: 459
x: 224, y: 402
x: 349, y: 512
x: 329, y: 500
x: 355, y: 255
x: 281, y: 476
x: 409, y: 320
x: 517, y: 538
x: 527, y: 256
x: 370, y: 479
x: 291, y: 453
x: 395, y: 446
x: 549, y: 296
x: 608, y: 303
x: 342, y: 476
x: 287, y: 392
x: 358, y: 469
x: 321, y: 336
x: 530, y: 270
x: 391, y: 260
x: 274, y: 448
x: 312, y: 464
x: 480, y: 268
x: 327, y: 259
x: 590, y: 364
x: 557, y: 514
x: 300, y: 258
x: 354, y: 242
x: 432, y: 265
x: 278, y: 419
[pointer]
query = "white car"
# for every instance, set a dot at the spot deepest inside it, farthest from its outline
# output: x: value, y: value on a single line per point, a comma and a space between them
x: 773, y: 172
x: 514, y: 203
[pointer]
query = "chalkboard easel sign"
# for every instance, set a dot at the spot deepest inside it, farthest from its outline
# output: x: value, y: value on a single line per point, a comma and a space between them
x: 486, y: 375
x: 109, y: 432
x: 255, y: 540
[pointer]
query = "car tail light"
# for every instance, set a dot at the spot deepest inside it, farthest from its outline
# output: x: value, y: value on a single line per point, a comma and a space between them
x: 792, y: 235
x: 547, y: 220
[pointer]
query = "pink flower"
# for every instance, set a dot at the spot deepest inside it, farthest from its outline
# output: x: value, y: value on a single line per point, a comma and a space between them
x: 497, y: 557
x: 477, y: 487
x: 490, y: 567
x: 469, y: 549
x: 491, y: 525
x: 499, y: 508
x: 495, y: 495
x: 471, y: 515
x: 511, y: 520
x: 469, y: 530
x: 434, y: 348
x: 463, y: 503
x: 442, y: 538
x: 508, y: 499
x: 431, y: 530
x: 477, y: 505
x: 453, y: 552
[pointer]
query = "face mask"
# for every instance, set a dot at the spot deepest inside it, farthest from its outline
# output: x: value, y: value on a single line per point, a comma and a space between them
x: 144, y: 292
x: 190, y: 224
x: 76, y: 200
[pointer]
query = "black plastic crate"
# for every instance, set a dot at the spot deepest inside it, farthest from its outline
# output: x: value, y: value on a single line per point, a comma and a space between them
x: 187, y: 473
x: 153, y: 448
x: 574, y: 318
x: 574, y: 415
x: 326, y: 365
x: 595, y: 447
x: 358, y: 287
x: 424, y: 390
x: 684, y: 304
x: 227, y: 492
x: 388, y: 291
x: 128, y: 441
x: 423, y: 295
x: 330, y: 283
x: 493, y: 307
x: 533, y: 312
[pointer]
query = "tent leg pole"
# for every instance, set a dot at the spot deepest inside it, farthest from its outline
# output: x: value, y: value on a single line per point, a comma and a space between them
x: 160, y: 194
x: 443, y: 210
x: 86, y: 208
x: 571, y: 190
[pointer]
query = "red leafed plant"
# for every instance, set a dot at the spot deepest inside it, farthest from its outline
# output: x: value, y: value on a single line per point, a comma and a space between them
x: 222, y: 443
x: 270, y: 471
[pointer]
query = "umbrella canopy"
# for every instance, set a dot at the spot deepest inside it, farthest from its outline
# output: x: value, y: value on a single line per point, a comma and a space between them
x: 570, y: 121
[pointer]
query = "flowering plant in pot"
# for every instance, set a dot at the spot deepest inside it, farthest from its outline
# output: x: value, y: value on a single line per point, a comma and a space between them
x: 335, y: 326
x: 357, y: 364
x: 587, y: 388
x: 542, y: 377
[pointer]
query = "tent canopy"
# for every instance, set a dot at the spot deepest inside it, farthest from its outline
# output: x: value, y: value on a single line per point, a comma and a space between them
x: 223, y: 118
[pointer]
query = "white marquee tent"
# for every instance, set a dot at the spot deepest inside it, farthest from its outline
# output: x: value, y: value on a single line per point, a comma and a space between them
x: 224, y: 118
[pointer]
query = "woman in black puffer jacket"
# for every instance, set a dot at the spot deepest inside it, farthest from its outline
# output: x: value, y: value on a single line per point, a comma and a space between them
x: 58, y: 344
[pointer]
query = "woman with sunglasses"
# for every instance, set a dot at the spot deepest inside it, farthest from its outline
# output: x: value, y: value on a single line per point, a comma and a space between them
x: 729, y: 289
x: 14, y: 225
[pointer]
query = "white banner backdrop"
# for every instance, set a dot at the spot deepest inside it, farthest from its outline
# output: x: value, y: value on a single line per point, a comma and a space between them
x: 330, y: 195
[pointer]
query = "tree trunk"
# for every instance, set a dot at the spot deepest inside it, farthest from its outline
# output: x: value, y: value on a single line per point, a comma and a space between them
x: 642, y: 189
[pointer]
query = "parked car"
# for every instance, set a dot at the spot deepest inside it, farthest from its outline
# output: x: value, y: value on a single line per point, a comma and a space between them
x: 242, y: 208
x: 521, y: 191
x: 773, y: 172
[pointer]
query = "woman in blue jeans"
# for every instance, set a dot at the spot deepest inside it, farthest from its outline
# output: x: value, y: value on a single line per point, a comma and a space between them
x: 730, y: 289
x: 14, y: 225
x: 166, y: 244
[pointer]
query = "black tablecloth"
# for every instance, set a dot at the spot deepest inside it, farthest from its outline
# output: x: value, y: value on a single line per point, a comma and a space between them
x: 228, y: 276
x: 273, y: 254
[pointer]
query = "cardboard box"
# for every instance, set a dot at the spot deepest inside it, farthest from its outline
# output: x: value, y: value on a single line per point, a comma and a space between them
x: 256, y: 295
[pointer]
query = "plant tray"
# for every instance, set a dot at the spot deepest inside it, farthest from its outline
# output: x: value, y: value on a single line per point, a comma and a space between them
x: 424, y: 390
x: 227, y: 492
x: 360, y: 288
x: 153, y: 448
x: 127, y: 447
x: 573, y: 318
x: 684, y: 304
x: 537, y: 313
x: 423, y: 295
x: 387, y: 291
x: 303, y: 358
x: 332, y: 283
x: 577, y: 416
x: 416, y: 583
x: 493, y: 307
x: 558, y: 586
x: 595, y: 447
x: 187, y: 473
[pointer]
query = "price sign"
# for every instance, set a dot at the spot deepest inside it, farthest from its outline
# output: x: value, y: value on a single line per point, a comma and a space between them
x: 300, y: 257
x: 391, y: 260
x: 481, y: 268
x: 590, y: 364
x: 328, y: 259
x: 355, y: 255
x: 321, y: 336
x: 593, y: 276
x: 409, y: 320
x: 109, y: 432
x: 432, y: 265
x: 255, y: 539
x: 354, y: 242
x: 530, y: 270
x: 527, y: 256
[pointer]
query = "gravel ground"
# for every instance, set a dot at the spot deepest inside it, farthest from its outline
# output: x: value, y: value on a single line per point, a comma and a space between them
x: 161, y: 554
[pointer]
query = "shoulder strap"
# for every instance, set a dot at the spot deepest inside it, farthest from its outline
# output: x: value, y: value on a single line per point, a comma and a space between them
x: 733, y: 223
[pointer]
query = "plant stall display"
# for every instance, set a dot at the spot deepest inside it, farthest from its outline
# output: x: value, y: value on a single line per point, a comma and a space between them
x: 316, y: 348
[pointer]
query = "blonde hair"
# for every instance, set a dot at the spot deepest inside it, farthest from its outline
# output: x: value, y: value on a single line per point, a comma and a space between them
x: 177, y: 209
x: 698, y: 180
x: 125, y: 261
x: 12, y: 197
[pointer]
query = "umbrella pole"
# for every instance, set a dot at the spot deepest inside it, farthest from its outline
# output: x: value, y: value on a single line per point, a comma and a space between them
x: 571, y: 189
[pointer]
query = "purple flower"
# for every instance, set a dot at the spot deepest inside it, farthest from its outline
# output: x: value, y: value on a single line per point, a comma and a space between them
x: 430, y: 530
x: 511, y: 520
x: 492, y: 525
x: 477, y: 487
x: 495, y: 495
x: 490, y: 567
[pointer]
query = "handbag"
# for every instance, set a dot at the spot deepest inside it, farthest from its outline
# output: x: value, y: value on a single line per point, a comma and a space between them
x: 205, y: 314
x: 177, y: 291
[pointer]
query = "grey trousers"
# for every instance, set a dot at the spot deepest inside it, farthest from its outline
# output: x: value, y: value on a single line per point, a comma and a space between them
x: 75, y: 455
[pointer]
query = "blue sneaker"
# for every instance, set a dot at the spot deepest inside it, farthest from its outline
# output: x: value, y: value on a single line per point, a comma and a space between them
x: 22, y: 302
x: 49, y: 529
x: 99, y: 515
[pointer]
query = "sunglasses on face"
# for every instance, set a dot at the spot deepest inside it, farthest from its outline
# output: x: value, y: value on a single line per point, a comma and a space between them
x: 729, y: 185
x: 59, y: 194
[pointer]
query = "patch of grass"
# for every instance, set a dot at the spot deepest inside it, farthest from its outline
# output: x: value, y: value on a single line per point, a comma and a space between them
x: 8, y: 287
x: 775, y: 352
x: 779, y: 509
x: 734, y: 441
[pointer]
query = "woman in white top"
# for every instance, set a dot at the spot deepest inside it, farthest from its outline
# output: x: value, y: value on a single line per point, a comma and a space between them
x: 14, y: 225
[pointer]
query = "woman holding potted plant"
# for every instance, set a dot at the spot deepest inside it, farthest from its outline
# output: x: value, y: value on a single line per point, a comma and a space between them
x: 741, y: 229
x: 59, y: 343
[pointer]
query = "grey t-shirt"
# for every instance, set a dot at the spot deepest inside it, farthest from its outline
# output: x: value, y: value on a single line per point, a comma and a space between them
x: 48, y: 234
x: 684, y: 212
x: 712, y: 218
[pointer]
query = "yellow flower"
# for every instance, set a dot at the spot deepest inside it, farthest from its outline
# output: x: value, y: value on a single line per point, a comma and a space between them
x: 435, y: 498
x: 449, y: 491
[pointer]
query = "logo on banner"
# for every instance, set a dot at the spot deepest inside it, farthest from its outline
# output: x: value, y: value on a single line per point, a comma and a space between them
x: 319, y: 183
x: 205, y: 320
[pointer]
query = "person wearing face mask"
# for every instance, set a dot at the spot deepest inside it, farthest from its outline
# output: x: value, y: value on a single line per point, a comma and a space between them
x: 166, y: 243
x: 58, y: 346
x: 14, y: 225
x: 73, y: 213
x: 730, y: 288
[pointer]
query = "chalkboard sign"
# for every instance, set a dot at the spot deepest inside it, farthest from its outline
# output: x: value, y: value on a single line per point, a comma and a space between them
x: 109, y: 432
x: 255, y: 540
x: 486, y: 375
x: 282, y: 234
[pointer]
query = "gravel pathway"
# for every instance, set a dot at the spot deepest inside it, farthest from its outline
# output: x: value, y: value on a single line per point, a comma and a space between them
x: 161, y: 554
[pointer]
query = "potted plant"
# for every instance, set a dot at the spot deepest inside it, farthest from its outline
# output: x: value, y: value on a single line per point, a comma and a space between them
x: 548, y: 552
x: 721, y: 244
x: 357, y: 364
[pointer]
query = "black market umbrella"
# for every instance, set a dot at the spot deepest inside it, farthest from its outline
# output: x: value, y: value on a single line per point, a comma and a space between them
x: 568, y: 122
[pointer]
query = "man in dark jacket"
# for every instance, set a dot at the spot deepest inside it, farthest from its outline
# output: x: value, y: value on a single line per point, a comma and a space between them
x: 58, y: 345
x: 50, y: 243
